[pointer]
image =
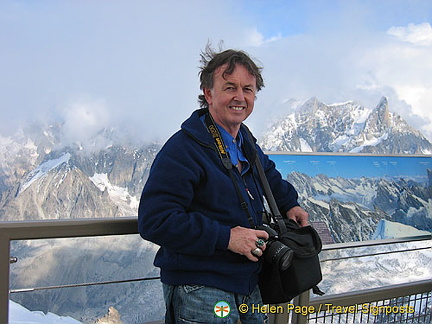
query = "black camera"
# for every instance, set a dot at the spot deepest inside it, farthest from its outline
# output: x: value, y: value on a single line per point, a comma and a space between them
x: 276, y: 252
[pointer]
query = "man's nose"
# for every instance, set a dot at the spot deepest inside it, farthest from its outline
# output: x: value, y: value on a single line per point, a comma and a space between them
x: 239, y: 95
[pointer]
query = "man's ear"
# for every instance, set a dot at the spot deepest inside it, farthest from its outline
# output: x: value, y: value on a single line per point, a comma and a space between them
x: 208, y: 95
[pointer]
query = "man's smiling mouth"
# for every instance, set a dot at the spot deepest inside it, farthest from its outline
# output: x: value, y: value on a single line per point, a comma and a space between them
x: 237, y: 108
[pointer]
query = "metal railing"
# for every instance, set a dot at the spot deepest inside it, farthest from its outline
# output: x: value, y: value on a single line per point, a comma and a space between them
x: 49, y: 229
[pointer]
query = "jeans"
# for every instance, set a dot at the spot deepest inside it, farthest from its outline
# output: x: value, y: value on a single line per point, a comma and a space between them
x: 202, y: 304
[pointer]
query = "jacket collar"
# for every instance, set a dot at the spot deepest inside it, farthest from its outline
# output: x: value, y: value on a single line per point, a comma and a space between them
x: 195, y: 128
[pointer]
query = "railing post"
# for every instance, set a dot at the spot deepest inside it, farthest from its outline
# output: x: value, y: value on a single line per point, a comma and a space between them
x: 280, y: 317
x: 4, y: 277
x: 301, y: 300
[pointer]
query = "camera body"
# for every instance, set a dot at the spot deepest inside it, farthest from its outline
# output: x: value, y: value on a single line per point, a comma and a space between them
x: 276, y: 252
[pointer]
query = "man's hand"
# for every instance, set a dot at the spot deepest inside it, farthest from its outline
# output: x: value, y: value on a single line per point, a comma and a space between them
x: 299, y: 215
x: 244, y: 240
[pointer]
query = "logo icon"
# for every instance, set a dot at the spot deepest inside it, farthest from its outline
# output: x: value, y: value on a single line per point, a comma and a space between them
x: 222, y: 309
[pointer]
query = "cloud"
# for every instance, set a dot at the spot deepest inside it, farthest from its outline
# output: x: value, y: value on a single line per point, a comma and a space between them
x: 83, y: 121
x: 404, y: 65
x: 256, y: 39
x: 420, y: 34
x: 139, y: 57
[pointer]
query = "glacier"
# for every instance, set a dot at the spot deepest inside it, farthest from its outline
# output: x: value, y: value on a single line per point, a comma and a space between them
x: 43, y: 169
x: 119, y: 195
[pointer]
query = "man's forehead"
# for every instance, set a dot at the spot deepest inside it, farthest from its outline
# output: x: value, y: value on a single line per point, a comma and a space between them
x: 223, y: 68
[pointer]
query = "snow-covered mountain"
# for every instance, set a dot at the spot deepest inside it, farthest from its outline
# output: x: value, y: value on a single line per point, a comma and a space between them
x: 344, y: 127
x: 41, y: 179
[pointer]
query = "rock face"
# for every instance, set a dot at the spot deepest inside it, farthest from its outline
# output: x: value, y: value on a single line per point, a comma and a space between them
x: 347, y: 127
x: 112, y: 317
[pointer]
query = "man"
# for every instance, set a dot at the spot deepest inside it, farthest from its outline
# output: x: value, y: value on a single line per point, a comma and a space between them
x: 203, y: 211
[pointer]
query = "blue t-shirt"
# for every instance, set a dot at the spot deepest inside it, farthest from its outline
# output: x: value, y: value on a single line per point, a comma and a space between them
x: 233, y: 147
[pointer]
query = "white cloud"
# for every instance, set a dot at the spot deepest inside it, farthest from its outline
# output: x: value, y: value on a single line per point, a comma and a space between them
x: 256, y: 39
x: 406, y: 67
x: 83, y: 121
x: 420, y: 34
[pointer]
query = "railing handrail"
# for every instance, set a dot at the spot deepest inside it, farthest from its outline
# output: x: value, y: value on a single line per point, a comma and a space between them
x: 357, y: 244
x: 66, y: 228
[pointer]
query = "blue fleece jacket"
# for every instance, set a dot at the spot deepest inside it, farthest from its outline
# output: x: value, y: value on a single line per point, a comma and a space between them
x: 189, y: 204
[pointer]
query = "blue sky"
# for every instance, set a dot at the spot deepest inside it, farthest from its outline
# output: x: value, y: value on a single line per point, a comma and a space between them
x: 134, y: 64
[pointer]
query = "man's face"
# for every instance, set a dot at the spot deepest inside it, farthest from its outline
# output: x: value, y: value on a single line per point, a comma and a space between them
x: 231, y: 100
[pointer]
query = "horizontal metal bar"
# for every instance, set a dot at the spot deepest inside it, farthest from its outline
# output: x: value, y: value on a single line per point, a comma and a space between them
x: 45, y: 229
x: 14, y: 291
x: 357, y: 244
x: 375, y: 254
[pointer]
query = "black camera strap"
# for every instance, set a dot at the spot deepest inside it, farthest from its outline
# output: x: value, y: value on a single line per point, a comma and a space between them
x: 226, y: 161
x: 276, y: 215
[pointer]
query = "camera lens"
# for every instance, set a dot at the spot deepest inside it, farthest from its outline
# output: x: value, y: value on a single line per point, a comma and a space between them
x: 286, y: 259
x: 279, y: 253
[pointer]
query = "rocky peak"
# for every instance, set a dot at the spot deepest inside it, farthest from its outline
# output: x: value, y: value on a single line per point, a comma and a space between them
x: 378, y: 121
